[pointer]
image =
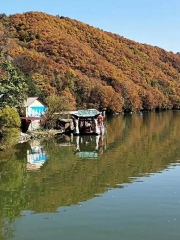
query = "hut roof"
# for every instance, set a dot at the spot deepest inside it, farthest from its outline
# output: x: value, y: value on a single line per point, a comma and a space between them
x: 29, y: 101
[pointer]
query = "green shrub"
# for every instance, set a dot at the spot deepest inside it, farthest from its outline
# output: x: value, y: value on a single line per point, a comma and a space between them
x: 9, y: 127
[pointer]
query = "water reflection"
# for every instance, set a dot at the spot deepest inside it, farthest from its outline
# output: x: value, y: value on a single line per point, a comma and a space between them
x: 90, y: 146
x: 36, y: 156
x: 137, y: 146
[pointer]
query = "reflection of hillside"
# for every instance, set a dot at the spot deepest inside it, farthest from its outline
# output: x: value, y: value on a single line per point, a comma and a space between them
x: 137, y: 145
x: 1, y: 229
x: 146, y: 145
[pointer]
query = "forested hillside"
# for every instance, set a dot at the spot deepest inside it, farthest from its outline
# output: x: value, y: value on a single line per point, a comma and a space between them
x: 93, y: 68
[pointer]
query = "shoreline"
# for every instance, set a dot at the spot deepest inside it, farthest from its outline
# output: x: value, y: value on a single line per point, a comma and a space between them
x: 25, y: 137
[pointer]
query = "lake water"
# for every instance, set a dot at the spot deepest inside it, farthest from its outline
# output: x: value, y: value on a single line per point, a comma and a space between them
x: 124, y: 185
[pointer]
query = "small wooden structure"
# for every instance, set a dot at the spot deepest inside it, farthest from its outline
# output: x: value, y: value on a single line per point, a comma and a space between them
x: 88, y: 121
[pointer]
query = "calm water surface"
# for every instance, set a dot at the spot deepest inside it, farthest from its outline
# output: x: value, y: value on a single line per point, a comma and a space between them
x: 124, y: 185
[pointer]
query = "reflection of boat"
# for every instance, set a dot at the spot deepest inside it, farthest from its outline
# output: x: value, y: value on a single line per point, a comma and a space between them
x: 36, y: 156
x: 64, y: 145
x: 88, y: 121
x: 90, y: 146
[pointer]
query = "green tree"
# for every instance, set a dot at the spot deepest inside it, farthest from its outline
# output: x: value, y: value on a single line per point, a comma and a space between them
x: 56, y: 104
x: 12, y: 87
x: 34, y: 90
x: 9, y: 126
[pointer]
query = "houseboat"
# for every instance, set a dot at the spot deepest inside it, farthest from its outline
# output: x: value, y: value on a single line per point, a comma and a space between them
x: 88, y: 121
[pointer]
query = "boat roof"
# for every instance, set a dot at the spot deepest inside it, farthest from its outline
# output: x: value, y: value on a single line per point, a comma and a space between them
x: 87, y: 113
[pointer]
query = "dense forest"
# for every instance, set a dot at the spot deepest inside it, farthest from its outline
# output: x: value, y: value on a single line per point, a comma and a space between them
x: 93, y: 68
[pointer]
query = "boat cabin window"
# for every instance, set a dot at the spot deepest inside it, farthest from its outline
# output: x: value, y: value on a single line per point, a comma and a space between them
x: 86, y: 124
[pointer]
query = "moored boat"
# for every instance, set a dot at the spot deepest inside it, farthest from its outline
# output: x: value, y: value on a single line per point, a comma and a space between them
x: 88, y: 121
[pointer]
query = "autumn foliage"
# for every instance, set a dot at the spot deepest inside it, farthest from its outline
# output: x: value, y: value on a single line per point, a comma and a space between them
x: 92, y: 67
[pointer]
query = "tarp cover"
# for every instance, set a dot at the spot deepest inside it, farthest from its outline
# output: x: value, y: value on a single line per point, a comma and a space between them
x: 87, y: 113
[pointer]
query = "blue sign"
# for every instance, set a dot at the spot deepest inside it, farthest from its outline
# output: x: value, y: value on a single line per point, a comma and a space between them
x: 36, y: 112
x: 36, y: 155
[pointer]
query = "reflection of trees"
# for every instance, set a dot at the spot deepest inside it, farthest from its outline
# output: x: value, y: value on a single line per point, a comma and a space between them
x: 149, y: 143
x: 1, y: 230
x: 137, y: 145
x: 144, y: 144
x: 7, y: 229
x: 13, y: 180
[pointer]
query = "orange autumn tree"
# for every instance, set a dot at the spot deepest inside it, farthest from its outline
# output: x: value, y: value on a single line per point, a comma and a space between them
x: 104, y: 97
